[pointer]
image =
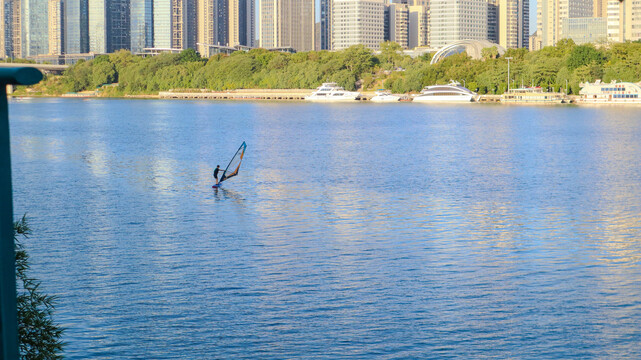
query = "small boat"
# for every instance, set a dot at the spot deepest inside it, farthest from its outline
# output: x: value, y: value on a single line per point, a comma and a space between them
x: 385, y: 96
x: 451, y: 93
x: 331, y: 92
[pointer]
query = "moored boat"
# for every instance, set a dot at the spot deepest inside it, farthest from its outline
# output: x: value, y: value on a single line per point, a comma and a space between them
x: 451, y: 93
x: 534, y: 95
x: 385, y: 96
x: 610, y: 93
x: 331, y: 92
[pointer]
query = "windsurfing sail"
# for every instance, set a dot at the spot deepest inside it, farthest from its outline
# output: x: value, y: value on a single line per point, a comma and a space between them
x: 234, y: 165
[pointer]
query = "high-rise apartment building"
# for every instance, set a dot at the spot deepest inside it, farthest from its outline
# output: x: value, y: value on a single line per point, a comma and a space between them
x: 513, y: 24
x: 242, y: 15
x: 357, y: 22
x: 398, y: 16
x: 174, y: 23
x: 142, y: 25
x: 325, y: 24
x: 35, y: 24
x: 288, y: 23
x: 550, y: 15
x: 5, y: 29
x: 16, y: 28
x: 212, y: 25
x: 76, y: 26
x: 453, y: 20
x: 56, y: 27
x: 418, y: 26
x: 600, y: 8
x: 624, y: 20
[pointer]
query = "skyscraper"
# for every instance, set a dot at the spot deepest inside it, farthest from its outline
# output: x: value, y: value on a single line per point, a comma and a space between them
x: 513, y: 24
x: 357, y: 22
x: 119, y: 25
x: 56, y: 28
x: 287, y: 23
x: 109, y: 26
x: 142, y: 25
x: 35, y: 23
x: 418, y: 26
x: 5, y: 29
x: 398, y: 20
x: 212, y: 24
x: 174, y: 24
x: 76, y: 26
x: 624, y: 20
x: 550, y: 15
x: 325, y: 24
x: 452, y: 20
x: 16, y: 28
x: 242, y: 14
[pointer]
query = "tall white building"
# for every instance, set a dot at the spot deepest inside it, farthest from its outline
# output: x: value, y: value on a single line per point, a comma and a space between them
x: 550, y: 15
x: 513, y: 23
x: 399, y: 17
x: 288, y: 23
x: 624, y: 20
x: 452, y: 20
x: 357, y: 22
x: 56, y: 27
x: 418, y: 26
x: 212, y: 25
x: 242, y: 15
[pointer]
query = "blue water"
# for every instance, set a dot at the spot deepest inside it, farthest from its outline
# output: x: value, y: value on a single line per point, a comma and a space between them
x: 353, y: 231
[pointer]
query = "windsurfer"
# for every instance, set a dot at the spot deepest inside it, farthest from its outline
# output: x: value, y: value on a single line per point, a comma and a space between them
x: 216, y: 173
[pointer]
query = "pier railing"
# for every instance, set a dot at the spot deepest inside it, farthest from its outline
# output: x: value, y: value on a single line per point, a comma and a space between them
x: 8, y: 311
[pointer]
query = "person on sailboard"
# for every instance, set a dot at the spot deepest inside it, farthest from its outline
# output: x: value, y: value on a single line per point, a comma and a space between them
x: 216, y: 173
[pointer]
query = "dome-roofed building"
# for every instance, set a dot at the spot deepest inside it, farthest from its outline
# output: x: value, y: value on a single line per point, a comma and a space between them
x: 473, y: 49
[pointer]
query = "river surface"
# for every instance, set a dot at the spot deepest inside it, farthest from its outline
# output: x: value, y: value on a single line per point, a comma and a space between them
x: 352, y: 231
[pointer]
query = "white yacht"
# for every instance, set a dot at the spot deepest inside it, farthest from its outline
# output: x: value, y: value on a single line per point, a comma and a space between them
x: 331, y: 92
x: 385, y: 96
x: 612, y: 93
x: 453, y: 92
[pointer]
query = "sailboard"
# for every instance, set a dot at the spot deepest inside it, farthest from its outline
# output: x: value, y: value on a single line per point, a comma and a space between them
x: 234, y: 165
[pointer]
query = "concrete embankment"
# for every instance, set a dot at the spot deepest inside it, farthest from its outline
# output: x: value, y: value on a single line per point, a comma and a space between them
x: 254, y: 94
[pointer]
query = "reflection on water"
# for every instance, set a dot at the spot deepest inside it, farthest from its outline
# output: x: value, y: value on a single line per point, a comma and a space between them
x: 387, y: 231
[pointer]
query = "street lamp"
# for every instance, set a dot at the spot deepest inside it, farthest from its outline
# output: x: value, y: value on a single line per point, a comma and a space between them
x: 508, y: 72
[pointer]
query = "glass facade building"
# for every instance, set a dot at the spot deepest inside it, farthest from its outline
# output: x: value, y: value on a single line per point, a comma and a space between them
x: 76, y: 26
x: 142, y: 24
x: 118, y: 25
x: 35, y: 24
x: 98, y: 26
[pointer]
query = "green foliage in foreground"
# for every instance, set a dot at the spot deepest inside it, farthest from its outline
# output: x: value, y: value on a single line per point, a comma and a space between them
x: 39, y: 337
x: 353, y: 68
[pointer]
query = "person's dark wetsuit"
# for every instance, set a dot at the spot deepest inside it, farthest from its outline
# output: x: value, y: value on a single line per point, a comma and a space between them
x: 216, y: 171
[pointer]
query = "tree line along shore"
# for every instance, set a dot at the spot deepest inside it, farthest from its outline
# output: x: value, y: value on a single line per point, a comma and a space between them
x: 553, y: 68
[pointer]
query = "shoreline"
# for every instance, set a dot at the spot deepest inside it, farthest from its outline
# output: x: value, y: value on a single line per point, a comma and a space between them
x: 277, y: 95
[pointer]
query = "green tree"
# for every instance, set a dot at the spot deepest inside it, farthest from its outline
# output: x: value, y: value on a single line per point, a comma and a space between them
x: 39, y: 336
x: 103, y: 73
x: 189, y: 55
x: 583, y: 55
x: 490, y: 53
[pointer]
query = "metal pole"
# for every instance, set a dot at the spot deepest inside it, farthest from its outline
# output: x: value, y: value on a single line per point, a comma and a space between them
x: 8, y: 311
